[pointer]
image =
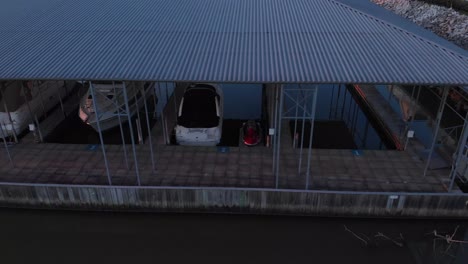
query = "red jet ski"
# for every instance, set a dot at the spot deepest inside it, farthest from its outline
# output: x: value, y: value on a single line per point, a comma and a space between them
x: 252, y: 133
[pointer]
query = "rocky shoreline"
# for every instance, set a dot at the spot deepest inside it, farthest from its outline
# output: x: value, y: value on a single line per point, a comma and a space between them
x: 445, y: 22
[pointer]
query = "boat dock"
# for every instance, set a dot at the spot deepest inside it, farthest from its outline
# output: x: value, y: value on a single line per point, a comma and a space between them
x: 287, y: 69
x: 333, y: 170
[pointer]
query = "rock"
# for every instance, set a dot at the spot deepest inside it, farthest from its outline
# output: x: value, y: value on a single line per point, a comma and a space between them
x: 445, y: 22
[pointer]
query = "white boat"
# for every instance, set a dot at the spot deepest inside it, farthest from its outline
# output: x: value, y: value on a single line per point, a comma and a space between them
x: 23, y: 101
x: 200, y: 116
x: 110, y: 98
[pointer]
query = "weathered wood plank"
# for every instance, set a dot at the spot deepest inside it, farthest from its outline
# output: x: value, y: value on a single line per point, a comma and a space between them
x: 234, y: 201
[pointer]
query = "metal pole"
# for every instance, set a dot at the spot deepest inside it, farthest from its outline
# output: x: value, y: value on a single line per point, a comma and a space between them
x: 39, y: 130
x: 345, y: 94
x: 6, y: 145
x: 119, y: 112
x: 280, y: 113
x: 462, y: 145
x: 331, y: 102
x: 127, y: 107
x: 337, y: 101
x: 149, y: 129
x: 155, y: 99
x: 271, y: 105
x: 138, y: 121
x: 312, y: 122
x: 436, y: 132
x: 175, y: 99
x: 60, y: 100
x: 96, y: 113
x: 2, y: 87
x: 299, y: 169
x: 273, y: 141
x: 163, y: 117
x: 295, y: 120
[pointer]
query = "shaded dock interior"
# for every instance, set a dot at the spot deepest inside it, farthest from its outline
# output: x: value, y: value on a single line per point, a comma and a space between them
x: 331, y: 168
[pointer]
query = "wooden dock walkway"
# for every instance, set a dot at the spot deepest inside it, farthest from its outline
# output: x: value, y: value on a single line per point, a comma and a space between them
x: 371, y: 170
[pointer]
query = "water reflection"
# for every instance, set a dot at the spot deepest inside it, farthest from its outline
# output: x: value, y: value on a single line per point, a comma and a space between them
x: 341, y: 104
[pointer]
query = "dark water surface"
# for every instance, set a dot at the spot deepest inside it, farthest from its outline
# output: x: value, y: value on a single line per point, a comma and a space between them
x: 35, y: 236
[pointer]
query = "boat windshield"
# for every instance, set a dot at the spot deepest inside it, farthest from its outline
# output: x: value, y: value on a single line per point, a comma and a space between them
x: 199, y: 108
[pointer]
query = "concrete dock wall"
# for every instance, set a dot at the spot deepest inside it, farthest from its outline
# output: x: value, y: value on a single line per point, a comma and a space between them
x: 232, y: 200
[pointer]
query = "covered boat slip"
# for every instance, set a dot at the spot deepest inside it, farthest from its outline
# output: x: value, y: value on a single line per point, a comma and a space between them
x: 283, y: 165
x: 293, y: 50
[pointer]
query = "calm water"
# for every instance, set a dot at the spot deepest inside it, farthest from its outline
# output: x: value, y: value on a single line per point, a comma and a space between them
x: 82, y: 237
x: 241, y: 102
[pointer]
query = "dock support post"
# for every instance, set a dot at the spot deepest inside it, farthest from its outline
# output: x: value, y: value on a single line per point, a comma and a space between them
x: 437, y: 126
x: 295, y: 120
x: 345, y: 92
x: 119, y: 112
x: 280, y: 117
x: 462, y: 153
x: 138, y: 120
x: 276, y: 102
x: 158, y: 92
x: 103, y: 148
x: 304, y: 113
x: 41, y: 139
x: 127, y: 109
x: 174, y: 94
x: 148, y: 126
x: 312, y: 122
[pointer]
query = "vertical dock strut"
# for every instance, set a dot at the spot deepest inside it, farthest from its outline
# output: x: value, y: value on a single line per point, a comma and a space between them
x: 298, y: 98
x: 437, y: 126
x: 41, y: 139
x: 127, y: 109
x: 138, y: 120
x: 103, y: 148
x: 158, y: 92
x: 295, y: 122
x: 278, y: 133
x: 119, y: 112
x: 304, y: 113
x: 462, y: 155
x: 276, y: 99
x: 148, y: 125
x: 312, y: 123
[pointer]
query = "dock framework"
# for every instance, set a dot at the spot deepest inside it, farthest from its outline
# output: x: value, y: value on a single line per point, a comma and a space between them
x: 293, y: 50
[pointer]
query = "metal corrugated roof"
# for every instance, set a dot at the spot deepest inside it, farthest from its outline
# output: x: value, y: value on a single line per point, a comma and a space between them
x: 320, y: 41
x: 369, y: 7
